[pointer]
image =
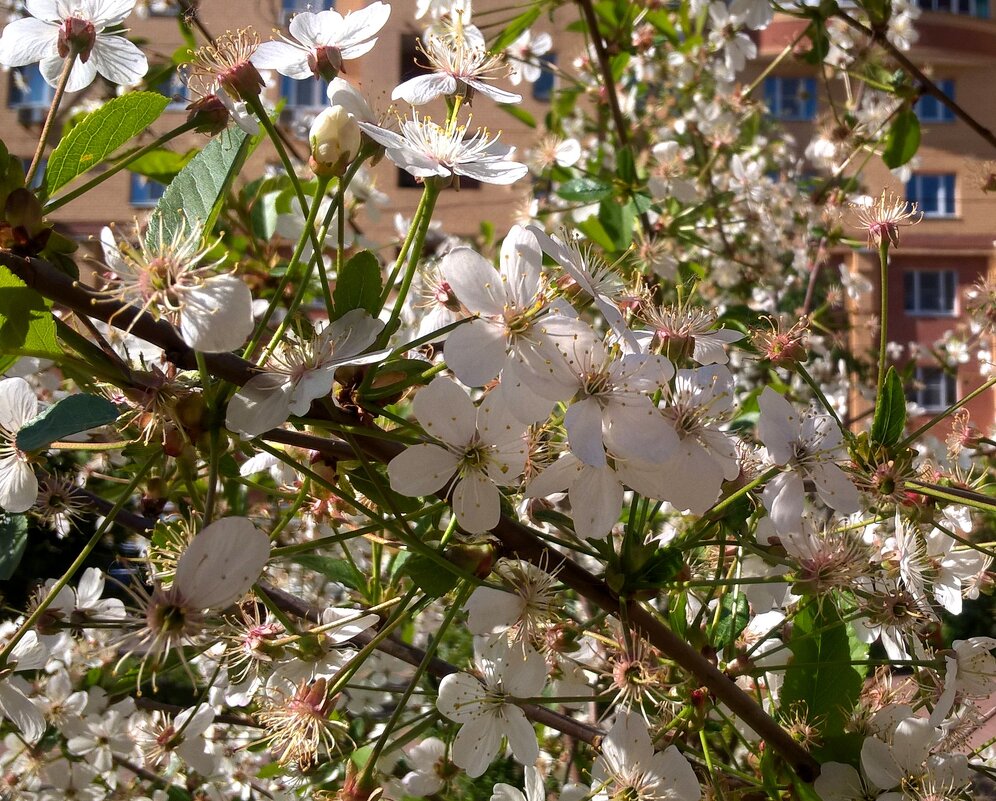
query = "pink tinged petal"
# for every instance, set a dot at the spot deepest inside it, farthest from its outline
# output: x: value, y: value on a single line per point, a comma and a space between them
x: 475, y: 352
x: 360, y: 25
x: 18, y: 485
x: 783, y: 497
x: 879, y: 765
x: 501, y: 173
x: 17, y: 708
x: 47, y: 10
x: 80, y: 78
x: 18, y: 404
x: 421, y: 470
x: 778, y: 426
x: 27, y: 41
x: 476, y: 745
x: 596, y: 499
x: 489, y: 90
x: 520, y: 265
x: 476, y: 503
x: 583, y: 422
x: 446, y: 412
x: 283, y: 57
x: 678, y: 780
x: 119, y: 60
x: 460, y: 697
x: 217, y: 315
x: 637, y: 429
x: 521, y: 736
x: 221, y: 563
x: 425, y: 88
x: 262, y: 403
x: 835, y: 489
x: 477, y: 284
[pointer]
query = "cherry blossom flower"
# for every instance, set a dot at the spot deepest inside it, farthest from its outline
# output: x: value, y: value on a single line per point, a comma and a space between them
x: 54, y: 28
x: 300, y: 372
x: 970, y: 672
x: 481, y: 449
x: 629, y: 766
x: 525, y: 53
x: 425, y: 149
x: 320, y: 42
x: 485, y: 706
x: 459, y: 66
x: 28, y: 654
x: 534, y: 788
x: 427, y: 759
x: 18, y: 483
x: 808, y: 444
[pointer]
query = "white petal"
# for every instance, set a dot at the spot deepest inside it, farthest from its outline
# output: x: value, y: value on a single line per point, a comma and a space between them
x: 360, y: 25
x: 778, y: 426
x: 489, y: 90
x: 18, y: 485
x: 490, y: 610
x: 475, y: 352
x: 421, y: 470
x: 693, y: 479
x: 18, y: 404
x: 423, y: 89
x: 501, y: 173
x: 583, y: 422
x: 521, y: 736
x: 476, y: 745
x: 476, y: 503
x: 262, y: 403
x: 506, y: 792
x: 80, y: 78
x: 783, y: 498
x: 637, y: 429
x: 446, y: 412
x: 879, y: 765
x: 835, y: 489
x: 283, y: 57
x: 678, y: 780
x: 22, y: 712
x: 596, y: 498
x: 520, y: 265
x: 27, y: 41
x: 839, y: 782
x: 119, y: 60
x: 106, y: 13
x: 221, y: 563
x: 47, y: 10
x: 460, y: 696
x: 217, y: 315
x: 306, y: 27
x: 477, y: 284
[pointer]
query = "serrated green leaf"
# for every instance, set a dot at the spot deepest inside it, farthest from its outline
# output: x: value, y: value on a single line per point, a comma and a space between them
x: 516, y: 27
x: 161, y: 165
x: 338, y: 570
x: 100, y: 133
x: 734, y: 616
x: 820, y: 681
x: 429, y: 576
x: 26, y: 323
x: 195, y: 196
x: 69, y: 416
x: 358, y: 286
x: 903, y: 139
x: 13, y: 539
x: 890, y: 411
x: 585, y: 190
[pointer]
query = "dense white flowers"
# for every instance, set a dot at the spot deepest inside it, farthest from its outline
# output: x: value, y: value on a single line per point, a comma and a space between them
x: 18, y: 483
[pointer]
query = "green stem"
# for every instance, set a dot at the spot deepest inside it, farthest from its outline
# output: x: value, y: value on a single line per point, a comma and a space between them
x: 883, y: 269
x: 115, y: 168
x: 824, y: 402
x: 946, y: 413
x: 98, y: 535
x: 405, y: 247
x: 53, y: 109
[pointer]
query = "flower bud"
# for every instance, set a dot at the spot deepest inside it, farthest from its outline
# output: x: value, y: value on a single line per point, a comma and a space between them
x: 76, y: 35
x: 335, y: 141
x: 208, y: 115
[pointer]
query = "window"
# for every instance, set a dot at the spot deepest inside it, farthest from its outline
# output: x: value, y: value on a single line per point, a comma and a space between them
x: 790, y: 98
x: 930, y: 291
x: 971, y: 8
x: 310, y: 95
x: 934, y: 390
x: 934, y: 194
x: 39, y: 176
x: 28, y: 89
x: 929, y: 109
x: 176, y: 90
x: 544, y: 85
x: 144, y: 192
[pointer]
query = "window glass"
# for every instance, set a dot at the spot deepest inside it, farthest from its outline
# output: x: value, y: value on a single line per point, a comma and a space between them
x: 145, y: 193
x: 930, y: 109
x: 790, y: 98
x: 544, y: 85
x: 930, y: 291
x: 934, y: 193
x: 935, y: 389
x: 28, y: 88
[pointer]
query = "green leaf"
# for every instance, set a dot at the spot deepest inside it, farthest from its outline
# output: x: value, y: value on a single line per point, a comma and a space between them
x: 820, y: 680
x: 625, y: 166
x: 734, y: 615
x: 338, y: 570
x: 903, y: 139
x: 161, y: 165
x: 519, y: 113
x: 13, y: 539
x: 890, y: 411
x: 69, y: 416
x: 429, y: 576
x: 585, y: 190
x: 100, y: 133
x: 358, y: 286
x: 516, y: 27
x: 618, y: 219
x: 26, y: 324
x: 196, y: 194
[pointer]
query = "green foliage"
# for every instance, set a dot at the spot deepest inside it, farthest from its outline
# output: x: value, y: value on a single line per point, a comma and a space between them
x: 734, y: 616
x: 903, y: 139
x: 585, y: 190
x: 13, y: 539
x: 100, y: 133
x: 519, y: 113
x: 821, y: 679
x: 26, y: 323
x: 196, y: 194
x: 340, y: 571
x: 514, y: 29
x: 358, y: 286
x: 429, y: 576
x: 69, y: 416
x: 890, y: 411
x: 161, y: 165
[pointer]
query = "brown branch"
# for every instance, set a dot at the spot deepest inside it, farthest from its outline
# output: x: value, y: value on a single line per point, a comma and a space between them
x: 517, y: 539
x: 925, y: 83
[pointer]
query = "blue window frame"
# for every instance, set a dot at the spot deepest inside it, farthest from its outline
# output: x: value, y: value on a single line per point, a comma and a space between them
x: 969, y: 8
x: 28, y: 88
x: 929, y: 109
x: 930, y: 292
x: 934, y: 193
x: 544, y: 85
x: 790, y: 99
x: 309, y: 94
x: 145, y: 193
x: 935, y: 389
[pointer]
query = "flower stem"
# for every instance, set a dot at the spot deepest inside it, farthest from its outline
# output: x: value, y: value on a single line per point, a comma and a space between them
x: 98, y: 535
x: 60, y: 90
x: 115, y: 168
x: 883, y: 326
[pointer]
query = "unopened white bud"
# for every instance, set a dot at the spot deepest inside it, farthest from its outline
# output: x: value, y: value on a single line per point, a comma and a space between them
x: 335, y: 141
